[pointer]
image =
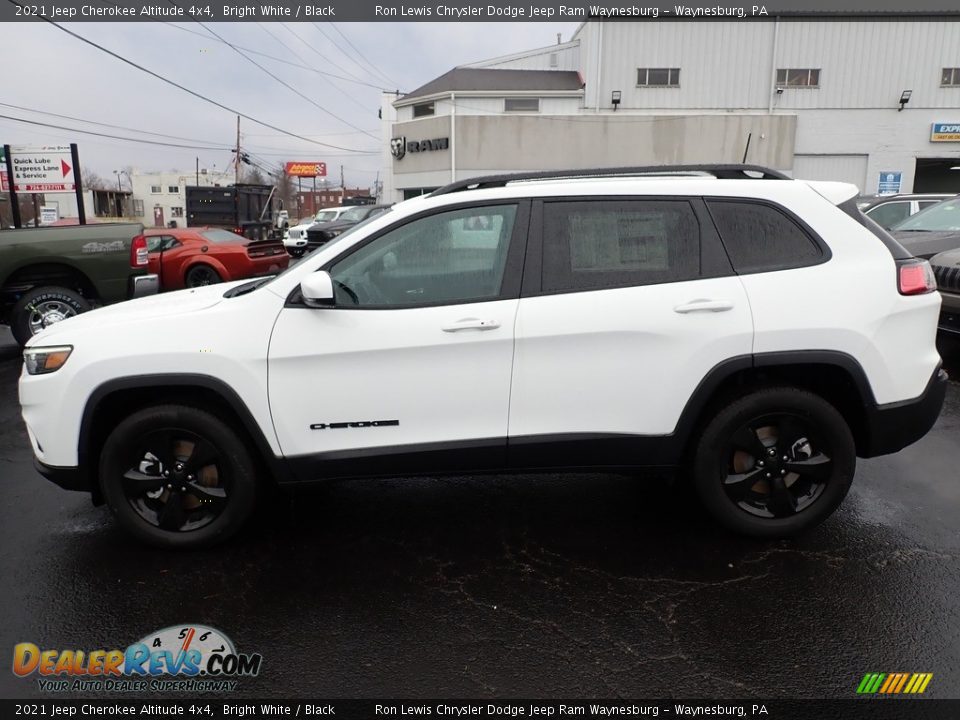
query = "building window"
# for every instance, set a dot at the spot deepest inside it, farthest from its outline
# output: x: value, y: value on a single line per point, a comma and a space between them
x: 658, y: 77
x: 176, y: 212
x: 156, y: 189
x: 138, y: 208
x: 423, y: 110
x: 174, y: 189
x: 950, y: 77
x: 798, y: 77
x: 521, y: 104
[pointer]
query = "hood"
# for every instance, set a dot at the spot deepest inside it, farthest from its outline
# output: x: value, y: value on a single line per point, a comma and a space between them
x: 950, y: 258
x: 927, y: 244
x: 140, y: 310
x: 334, y: 225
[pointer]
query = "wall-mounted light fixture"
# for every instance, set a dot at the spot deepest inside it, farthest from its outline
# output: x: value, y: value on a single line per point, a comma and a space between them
x: 904, y: 98
x: 615, y: 99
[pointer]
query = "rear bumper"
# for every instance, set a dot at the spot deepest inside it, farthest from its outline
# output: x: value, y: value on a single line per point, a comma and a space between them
x: 143, y: 285
x: 894, y: 426
x: 69, y: 478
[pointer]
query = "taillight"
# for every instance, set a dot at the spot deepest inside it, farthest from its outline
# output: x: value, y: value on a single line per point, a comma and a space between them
x: 915, y: 277
x: 138, y: 252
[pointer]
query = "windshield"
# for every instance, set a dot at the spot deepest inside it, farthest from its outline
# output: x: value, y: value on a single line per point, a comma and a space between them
x: 223, y: 237
x: 942, y: 216
x: 354, y: 214
x: 325, y: 216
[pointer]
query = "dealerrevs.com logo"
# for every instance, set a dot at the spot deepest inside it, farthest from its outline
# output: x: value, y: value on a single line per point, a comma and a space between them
x: 186, y: 658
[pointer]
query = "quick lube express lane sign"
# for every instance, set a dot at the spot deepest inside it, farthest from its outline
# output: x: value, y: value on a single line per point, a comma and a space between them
x: 43, y: 169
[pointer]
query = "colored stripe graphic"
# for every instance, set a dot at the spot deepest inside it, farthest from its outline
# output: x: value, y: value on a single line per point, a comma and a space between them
x: 894, y: 683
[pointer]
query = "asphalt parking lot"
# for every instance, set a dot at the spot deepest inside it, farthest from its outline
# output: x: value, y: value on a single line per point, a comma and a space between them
x: 556, y: 586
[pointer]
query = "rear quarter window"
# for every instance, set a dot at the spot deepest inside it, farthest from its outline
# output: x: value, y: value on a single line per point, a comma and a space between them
x: 760, y: 237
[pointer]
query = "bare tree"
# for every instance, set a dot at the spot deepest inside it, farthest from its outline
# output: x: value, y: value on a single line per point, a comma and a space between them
x: 92, y: 181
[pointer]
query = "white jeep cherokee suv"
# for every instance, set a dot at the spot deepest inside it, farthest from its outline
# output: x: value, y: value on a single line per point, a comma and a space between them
x: 754, y: 330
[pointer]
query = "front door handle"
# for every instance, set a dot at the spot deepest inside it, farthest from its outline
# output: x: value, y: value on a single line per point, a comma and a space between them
x: 704, y: 305
x: 471, y: 324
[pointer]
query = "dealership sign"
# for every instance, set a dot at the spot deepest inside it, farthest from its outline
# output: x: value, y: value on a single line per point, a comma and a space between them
x: 43, y: 169
x: 945, y: 132
x: 400, y: 146
x: 4, y: 178
x: 307, y: 169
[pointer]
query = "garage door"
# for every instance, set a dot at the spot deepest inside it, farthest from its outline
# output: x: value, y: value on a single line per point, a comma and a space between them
x: 843, y: 168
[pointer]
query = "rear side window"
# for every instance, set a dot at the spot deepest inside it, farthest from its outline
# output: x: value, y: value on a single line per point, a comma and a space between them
x: 617, y: 243
x: 760, y: 237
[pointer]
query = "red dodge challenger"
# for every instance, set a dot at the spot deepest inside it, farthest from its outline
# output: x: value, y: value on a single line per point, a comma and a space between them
x: 190, y: 257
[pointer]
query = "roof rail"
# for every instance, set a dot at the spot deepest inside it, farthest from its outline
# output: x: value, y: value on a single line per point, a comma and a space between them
x: 722, y: 172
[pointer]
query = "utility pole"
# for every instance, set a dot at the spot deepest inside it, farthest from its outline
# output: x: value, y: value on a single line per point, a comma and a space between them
x: 198, y: 170
x: 236, y: 169
x: 343, y: 188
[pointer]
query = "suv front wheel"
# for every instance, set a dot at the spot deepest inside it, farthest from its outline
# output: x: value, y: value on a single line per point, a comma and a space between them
x: 774, y: 462
x: 177, y: 477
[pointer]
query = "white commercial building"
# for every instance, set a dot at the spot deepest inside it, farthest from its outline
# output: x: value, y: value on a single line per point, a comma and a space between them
x: 160, y: 199
x: 872, y: 102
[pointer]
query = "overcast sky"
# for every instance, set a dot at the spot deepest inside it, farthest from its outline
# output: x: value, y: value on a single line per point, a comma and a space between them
x: 47, y: 70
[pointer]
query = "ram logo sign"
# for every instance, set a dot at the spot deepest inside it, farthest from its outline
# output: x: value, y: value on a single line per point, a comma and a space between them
x: 945, y: 132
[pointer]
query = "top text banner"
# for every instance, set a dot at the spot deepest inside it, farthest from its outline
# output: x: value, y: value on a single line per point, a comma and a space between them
x: 453, y: 10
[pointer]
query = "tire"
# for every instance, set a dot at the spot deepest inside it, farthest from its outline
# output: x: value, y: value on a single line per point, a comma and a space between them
x: 217, y: 497
x: 201, y: 275
x: 774, y: 497
x: 297, y: 252
x: 42, y: 307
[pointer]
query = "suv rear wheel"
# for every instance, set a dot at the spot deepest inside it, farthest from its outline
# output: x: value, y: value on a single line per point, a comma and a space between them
x: 774, y: 462
x: 177, y: 477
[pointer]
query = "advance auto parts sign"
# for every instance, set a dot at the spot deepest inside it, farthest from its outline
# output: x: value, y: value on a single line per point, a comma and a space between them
x: 43, y: 169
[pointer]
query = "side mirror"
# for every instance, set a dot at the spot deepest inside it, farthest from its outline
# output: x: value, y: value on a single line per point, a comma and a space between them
x: 317, y: 289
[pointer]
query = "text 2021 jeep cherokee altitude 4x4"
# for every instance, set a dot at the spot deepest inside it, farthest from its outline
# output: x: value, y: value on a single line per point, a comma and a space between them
x: 756, y: 330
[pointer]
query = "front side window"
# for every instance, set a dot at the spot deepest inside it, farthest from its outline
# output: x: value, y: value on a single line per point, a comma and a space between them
x: 615, y: 243
x: 434, y: 260
x: 889, y: 214
x: 761, y: 237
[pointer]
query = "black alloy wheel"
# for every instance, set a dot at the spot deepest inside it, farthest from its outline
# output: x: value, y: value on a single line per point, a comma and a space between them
x: 201, y: 275
x: 774, y: 468
x: 177, y: 476
x: 774, y: 462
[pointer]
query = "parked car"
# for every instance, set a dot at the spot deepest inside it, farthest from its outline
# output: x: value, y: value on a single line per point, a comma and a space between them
x: 931, y: 231
x: 946, y: 267
x: 295, y: 239
x: 50, y: 274
x: 192, y: 257
x: 753, y: 329
x: 324, y: 232
x: 889, y: 210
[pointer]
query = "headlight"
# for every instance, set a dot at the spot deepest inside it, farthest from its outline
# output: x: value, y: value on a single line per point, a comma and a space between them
x: 43, y: 360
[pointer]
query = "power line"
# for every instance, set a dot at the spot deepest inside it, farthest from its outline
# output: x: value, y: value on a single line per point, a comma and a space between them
x: 217, y: 146
x: 112, y: 137
x: 335, y: 44
x: 275, y: 77
x: 320, y: 54
x: 181, y: 87
x: 362, y: 56
x: 275, y: 58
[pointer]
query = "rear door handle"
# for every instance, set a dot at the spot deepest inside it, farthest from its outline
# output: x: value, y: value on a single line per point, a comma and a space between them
x: 704, y: 305
x: 471, y: 324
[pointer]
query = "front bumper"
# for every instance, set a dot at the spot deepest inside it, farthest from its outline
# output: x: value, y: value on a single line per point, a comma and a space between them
x: 143, y: 285
x: 894, y: 426
x: 949, y: 313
